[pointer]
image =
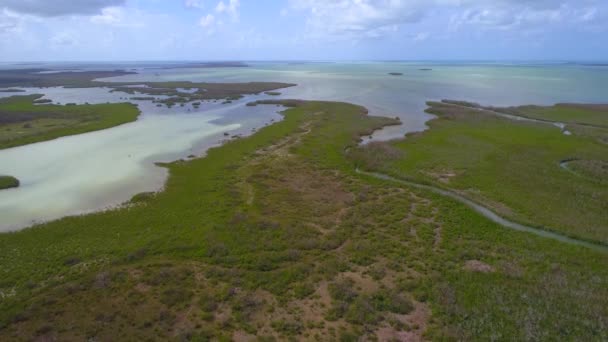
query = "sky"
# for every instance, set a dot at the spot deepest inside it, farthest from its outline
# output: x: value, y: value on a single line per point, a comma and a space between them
x: 142, y: 30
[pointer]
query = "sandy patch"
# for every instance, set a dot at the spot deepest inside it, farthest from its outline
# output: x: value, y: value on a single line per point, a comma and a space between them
x: 478, y: 266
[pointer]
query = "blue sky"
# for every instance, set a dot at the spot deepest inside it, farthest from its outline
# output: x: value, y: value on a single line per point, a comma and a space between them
x: 34, y: 30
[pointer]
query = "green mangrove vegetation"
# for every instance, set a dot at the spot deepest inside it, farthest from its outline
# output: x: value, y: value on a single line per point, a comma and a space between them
x: 594, y: 170
x: 37, y: 78
x: 514, y: 167
x: 173, y: 90
x: 574, y: 114
x: 276, y: 236
x: 201, y: 91
x: 24, y: 121
x: 589, y: 120
x: 7, y: 182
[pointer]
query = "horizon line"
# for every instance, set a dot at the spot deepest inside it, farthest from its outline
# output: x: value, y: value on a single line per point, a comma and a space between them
x: 304, y: 60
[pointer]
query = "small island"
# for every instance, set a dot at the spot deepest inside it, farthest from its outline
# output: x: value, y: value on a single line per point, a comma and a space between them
x: 272, y: 93
x: 395, y: 73
x: 425, y: 69
x: 143, y: 98
x: 8, y: 182
x: 90, y: 79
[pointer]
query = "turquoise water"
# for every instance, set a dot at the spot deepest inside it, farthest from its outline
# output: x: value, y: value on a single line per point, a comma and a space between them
x: 368, y: 84
x: 97, y: 170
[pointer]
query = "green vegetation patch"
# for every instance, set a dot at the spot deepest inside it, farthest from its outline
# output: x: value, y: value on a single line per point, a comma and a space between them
x: 596, y: 170
x: 22, y: 121
x: 510, y: 166
x: 7, y: 182
x: 143, y: 197
x: 205, y: 91
x: 37, y: 78
x: 276, y: 237
x: 89, y: 79
x: 143, y: 98
x: 595, y: 115
x: 590, y: 120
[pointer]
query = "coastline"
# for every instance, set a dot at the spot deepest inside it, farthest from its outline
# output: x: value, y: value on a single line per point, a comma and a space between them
x: 146, y: 175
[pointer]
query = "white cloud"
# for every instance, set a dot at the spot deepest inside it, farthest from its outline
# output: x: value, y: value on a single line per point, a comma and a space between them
x: 98, y: 29
x: 231, y: 7
x: 207, y: 21
x: 120, y: 17
x: 109, y: 16
x: 589, y: 14
x: 7, y: 25
x: 194, y: 4
x: 422, y: 36
x: 353, y: 19
x: 63, y: 39
x: 522, y: 15
x: 8, y: 22
x: 213, y: 22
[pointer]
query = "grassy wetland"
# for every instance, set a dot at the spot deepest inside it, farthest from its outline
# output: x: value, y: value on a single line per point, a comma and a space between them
x: 174, y: 92
x: 25, y: 119
x: 29, y: 119
x: 276, y: 236
x: 529, y: 171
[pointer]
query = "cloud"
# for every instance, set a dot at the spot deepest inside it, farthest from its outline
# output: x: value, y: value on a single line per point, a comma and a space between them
x: 56, y: 8
x: 8, y: 22
x: 212, y: 22
x: 194, y: 4
x: 422, y: 36
x: 521, y: 15
x: 357, y: 17
x: 120, y: 17
x: 367, y: 29
x: 7, y: 25
x: 353, y: 19
x: 230, y: 7
x: 207, y: 21
x: 63, y: 39
x: 109, y: 16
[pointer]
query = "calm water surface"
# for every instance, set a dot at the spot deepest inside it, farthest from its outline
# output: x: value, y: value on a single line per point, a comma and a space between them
x: 96, y: 170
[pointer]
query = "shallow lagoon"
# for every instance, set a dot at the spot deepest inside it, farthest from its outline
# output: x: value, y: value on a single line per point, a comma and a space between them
x: 369, y: 84
x: 100, y: 169
x: 87, y: 172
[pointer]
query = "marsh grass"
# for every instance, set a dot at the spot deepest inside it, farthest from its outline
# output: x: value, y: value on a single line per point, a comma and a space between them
x: 511, y: 166
x: 23, y: 120
x: 276, y: 236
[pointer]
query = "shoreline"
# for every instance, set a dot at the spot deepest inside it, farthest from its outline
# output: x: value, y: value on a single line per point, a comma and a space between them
x: 157, y: 176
